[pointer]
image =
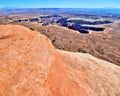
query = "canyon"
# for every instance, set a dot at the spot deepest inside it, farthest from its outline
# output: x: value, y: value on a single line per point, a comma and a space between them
x: 89, y: 31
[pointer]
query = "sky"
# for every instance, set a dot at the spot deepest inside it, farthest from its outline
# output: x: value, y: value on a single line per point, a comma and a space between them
x: 61, y: 3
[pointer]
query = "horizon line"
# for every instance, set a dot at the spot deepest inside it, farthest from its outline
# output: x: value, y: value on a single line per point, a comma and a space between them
x: 63, y: 7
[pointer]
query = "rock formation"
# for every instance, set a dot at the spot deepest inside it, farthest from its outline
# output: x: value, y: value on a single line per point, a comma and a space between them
x: 31, y: 66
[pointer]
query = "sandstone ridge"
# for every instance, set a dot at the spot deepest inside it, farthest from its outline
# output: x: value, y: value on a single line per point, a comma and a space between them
x: 31, y: 66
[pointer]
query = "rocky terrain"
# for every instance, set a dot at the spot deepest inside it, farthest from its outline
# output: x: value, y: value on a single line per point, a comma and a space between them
x: 31, y: 66
x: 103, y: 44
x: 97, y: 35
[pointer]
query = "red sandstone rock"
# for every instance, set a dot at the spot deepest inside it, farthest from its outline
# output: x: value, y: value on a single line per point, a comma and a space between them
x: 30, y: 66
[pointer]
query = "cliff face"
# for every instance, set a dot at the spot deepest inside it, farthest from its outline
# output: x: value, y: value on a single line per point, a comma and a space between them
x: 30, y: 66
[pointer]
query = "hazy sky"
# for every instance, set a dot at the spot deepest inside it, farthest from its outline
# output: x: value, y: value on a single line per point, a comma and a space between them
x: 60, y: 3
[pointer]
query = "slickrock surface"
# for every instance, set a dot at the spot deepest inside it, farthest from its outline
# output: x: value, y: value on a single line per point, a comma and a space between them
x: 31, y: 66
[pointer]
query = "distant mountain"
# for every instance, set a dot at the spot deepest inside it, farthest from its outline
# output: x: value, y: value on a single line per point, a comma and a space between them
x: 98, y: 11
x: 7, y: 8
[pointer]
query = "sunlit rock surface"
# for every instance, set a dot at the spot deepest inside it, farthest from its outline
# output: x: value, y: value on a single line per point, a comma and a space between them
x: 31, y: 66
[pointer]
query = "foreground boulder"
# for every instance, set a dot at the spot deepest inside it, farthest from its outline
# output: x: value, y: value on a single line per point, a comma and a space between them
x: 30, y: 66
